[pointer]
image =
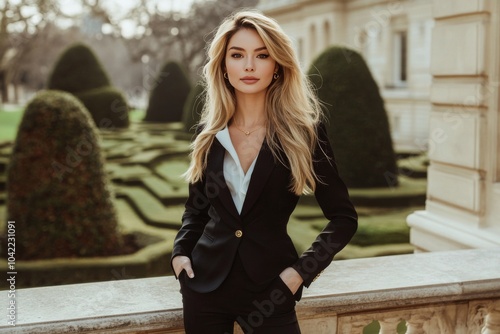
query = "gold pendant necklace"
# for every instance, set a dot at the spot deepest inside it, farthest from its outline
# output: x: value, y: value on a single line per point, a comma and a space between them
x: 247, y: 133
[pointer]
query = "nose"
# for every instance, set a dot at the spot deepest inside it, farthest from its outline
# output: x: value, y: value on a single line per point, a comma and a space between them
x: 249, y: 66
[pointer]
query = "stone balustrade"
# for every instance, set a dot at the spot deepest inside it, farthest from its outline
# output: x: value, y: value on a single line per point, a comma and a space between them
x: 452, y: 292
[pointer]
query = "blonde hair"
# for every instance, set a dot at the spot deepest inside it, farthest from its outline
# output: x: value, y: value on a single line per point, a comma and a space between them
x: 291, y: 106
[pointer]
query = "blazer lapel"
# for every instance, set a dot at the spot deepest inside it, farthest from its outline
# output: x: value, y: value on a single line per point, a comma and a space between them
x: 263, y: 167
x: 216, y: 182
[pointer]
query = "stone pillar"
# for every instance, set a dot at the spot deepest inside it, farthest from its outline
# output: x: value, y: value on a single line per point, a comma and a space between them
x: 463, y: 196
x: 492, y: 321
x: 389, y: 325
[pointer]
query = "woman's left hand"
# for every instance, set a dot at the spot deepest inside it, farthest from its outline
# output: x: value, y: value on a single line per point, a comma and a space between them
x: 292, y: 279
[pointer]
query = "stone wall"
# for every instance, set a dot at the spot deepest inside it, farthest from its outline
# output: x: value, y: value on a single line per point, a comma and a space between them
x: 440, y: 292
x: 462, y: 209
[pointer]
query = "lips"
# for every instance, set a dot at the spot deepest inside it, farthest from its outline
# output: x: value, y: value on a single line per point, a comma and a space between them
x: 249, y: 80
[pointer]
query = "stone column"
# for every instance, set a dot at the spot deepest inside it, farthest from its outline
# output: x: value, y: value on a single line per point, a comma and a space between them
x: 463, y: 197
x: 492, y: 321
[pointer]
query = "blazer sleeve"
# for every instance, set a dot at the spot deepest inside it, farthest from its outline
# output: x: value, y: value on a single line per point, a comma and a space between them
x: 194, y: 219
x: 333, y: 198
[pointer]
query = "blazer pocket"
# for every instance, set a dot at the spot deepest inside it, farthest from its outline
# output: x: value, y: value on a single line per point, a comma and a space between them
x: 208, y: 236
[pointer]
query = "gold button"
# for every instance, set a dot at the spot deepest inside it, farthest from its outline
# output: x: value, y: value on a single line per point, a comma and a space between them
x: 238, y: 233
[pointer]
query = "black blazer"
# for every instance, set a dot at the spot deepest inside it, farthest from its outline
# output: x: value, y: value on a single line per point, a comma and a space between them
x: 213, y: 233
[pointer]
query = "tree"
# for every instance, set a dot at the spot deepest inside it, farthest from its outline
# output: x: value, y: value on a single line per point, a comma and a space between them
x: 27, y: 27
x: 34, y: 66
x: 57, y: 187
x: 358, y: 123
x: 20, y: 23
x: 176, y: 36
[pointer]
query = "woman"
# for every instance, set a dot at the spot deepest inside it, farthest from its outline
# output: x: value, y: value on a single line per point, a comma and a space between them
x: 260, y: 146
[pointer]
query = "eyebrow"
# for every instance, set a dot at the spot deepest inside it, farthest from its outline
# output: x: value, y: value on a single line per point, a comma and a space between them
x: 241, y: 49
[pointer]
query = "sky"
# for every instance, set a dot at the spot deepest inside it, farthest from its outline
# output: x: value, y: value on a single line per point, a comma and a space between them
x: 118, y: 8
x: 122, y: 6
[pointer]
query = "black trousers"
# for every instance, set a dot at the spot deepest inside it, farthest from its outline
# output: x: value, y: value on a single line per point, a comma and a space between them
x: 258, y: 309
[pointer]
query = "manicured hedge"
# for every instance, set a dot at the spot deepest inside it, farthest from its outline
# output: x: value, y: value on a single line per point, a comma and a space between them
x: 358, y: 123
x: 57, y: 188
x: 167, y: 98
x: 78, y: 71
x: 193, y: 107
x: 108, y: 107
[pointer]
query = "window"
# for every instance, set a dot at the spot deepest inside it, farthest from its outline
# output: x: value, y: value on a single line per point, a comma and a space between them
x: 400, y: 59
x: 397, y: 53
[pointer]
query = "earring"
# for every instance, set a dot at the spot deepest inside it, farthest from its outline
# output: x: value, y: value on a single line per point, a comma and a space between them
x: 226, y: 76
x: 276, y: 76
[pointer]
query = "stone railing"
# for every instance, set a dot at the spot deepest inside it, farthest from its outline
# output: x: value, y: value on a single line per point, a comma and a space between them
x: 442, y: 292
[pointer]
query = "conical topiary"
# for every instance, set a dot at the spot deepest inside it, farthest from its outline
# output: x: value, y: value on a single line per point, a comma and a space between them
x: 193, y: 107
x: 166, y: 100
x: 57, y: 188
x: 109, y: 106
x: 358, y: 123
x: 78, y: 71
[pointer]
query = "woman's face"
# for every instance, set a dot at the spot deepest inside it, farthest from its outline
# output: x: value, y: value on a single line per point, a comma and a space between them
x: 249, y: 66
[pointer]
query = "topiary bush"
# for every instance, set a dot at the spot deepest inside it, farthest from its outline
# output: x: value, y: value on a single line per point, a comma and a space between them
x: 193, y: 107
x: 107, y: 106
x: 357, y: 120
x: 57, y: 188
x: 167, y: 99
x: 78, y: 71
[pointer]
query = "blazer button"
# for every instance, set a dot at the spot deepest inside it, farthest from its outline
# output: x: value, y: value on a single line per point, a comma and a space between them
x: 238, y: 233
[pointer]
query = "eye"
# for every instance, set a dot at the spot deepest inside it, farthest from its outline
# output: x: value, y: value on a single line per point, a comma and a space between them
x: 236, y: 55
x: 263, y: 56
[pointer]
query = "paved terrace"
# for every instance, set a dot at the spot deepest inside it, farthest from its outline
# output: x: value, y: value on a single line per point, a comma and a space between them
x: 440, y: 292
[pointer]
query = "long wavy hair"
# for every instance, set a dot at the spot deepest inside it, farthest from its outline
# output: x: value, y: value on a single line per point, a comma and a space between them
x: 292, y: 107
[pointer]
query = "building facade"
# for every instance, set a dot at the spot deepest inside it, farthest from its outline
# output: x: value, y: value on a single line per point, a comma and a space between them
x: 437, y: 63
x: 463, y: 196
x: 393, y: 36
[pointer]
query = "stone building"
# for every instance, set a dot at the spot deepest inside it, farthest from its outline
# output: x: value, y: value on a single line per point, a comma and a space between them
x: 393, y: 36
x: 463, y: 196
x: 437, y: 63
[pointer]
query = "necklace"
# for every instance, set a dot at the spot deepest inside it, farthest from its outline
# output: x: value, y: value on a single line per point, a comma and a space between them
x: 247, y: 133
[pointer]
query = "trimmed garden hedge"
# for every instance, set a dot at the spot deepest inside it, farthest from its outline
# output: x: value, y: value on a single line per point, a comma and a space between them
x: 107, y: 106
x: 57, y: 188
x: 193, y: 107
x: 78, y: 71
x: 358, y: 124
x: 166, y: 101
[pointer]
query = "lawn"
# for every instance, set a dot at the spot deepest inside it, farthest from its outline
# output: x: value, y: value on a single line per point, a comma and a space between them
x: 9, y: 121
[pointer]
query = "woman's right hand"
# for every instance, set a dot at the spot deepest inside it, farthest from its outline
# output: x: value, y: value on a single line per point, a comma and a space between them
x: 180, y: 263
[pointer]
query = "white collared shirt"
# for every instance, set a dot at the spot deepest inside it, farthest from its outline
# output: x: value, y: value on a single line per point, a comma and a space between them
x: 236, y: 180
